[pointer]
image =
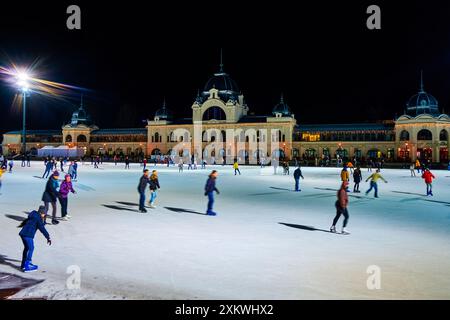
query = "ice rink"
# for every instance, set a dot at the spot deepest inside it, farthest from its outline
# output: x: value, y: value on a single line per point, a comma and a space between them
x: 267, y: 241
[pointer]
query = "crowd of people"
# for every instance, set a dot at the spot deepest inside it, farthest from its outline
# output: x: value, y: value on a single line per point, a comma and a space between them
x: 58, y: 191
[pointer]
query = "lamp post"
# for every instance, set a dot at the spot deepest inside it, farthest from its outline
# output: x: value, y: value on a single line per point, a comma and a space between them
x: 24, y: 87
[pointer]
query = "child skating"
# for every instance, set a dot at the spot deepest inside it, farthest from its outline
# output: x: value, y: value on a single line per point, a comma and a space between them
x: 428, y: 177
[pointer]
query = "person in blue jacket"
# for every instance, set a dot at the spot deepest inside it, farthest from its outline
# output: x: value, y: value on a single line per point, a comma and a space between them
x: 210, y: 187
x: 34, y: 222
x: 297, y: 175
x: 48, y: 168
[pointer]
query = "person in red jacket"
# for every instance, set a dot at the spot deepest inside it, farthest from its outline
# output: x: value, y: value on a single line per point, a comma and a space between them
x: 341, y: 208
x: 428, y: 177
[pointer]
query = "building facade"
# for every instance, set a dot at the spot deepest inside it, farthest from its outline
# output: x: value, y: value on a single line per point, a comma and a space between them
x: 222, y: 127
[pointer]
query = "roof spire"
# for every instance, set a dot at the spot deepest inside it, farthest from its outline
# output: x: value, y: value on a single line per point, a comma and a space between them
x: 81, y: 102
x: 164, y: 102
x: 221, y: 60
x: 421, y: 81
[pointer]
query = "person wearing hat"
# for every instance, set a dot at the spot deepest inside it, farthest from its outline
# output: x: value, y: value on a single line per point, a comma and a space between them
x: 63, y: 195
x: 341, y: 208
x: 51, y: 194
x: 34, y: 222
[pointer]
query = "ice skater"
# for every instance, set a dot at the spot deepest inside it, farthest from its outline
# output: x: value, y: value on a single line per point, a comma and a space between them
x: 345, y: 176
x: 412, y: 170
x: 34, y: 222
x: 28, y: 160
x: 2, y: 171
x: 11, y: 165
x: 51, y: 194
x: 48, y: 169
x: 127, y: 163
x: 236, y: 167
x: 357, y: 177
x: 341, y: 208
x: 297, y: 175
x: 63, y: 196
x: 428, y: 177
x: 154, y: 186
x: 180, y: 166
x: 210, y: 187
x: 24, y: 158
x: 373, y: 182
x: 141, y: 189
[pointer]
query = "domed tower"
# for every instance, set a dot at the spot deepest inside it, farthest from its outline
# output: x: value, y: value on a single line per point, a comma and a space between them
x: 422, y: 103
x: 163, y: 113
x: 78, y: 131
x: 220, y: 100
x: 281, y: 109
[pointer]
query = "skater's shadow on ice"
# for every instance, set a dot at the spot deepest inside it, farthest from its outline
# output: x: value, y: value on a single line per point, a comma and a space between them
x: 10, y: 284
x: 38, y: 177
x: 326, y: 189
x: 299, y: 226
x: 84, y: 187
x: 284, y: 189
x: 184, y: 210
x: 128, y: 203
x: 412, y: 193
x: 16, y: 218
x: 8, y: 262
x: 118, y: 208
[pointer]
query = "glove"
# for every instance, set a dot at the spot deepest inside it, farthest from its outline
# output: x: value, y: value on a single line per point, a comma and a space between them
x: 49, y: 242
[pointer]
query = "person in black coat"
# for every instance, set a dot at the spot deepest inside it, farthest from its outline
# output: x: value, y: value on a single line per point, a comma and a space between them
x: 357, y: 177
x: 34, y: 222
x: 297, y: 176
x: 210, y: 187
x: 141, y: 189
x: 50, y: 195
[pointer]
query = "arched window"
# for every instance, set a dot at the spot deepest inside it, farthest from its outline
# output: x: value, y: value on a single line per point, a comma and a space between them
x: 68, y: 138
x: 404, y: 135
x: 81, y: 138
x: 443, y: 135
x: 424, y: 134
x: 214, y: 113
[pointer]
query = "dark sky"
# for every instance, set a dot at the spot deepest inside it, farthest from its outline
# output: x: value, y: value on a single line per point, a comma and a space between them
x: 329, y: 66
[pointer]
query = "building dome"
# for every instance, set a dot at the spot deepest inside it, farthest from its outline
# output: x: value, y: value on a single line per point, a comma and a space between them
x: 422, y: 103
x: 163, y: 113
x: 80, y: 116
x: 282, y: 108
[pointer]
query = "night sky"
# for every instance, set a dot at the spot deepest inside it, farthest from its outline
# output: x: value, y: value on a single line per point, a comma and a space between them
x: 128, y: 57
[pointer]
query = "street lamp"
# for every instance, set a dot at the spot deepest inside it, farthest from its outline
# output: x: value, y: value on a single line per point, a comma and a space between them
x: 24, y: 87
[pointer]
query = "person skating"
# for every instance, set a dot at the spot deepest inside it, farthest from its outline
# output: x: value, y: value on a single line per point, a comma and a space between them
x: 373, y: 182
x: 141, y: 189
x: 418, y: 165
x: 236, y: 167
x: 127, y: 163
x: 63, y: 196
x: 180, y: 166
x: 2, y: 171
x: 297, y: 175
x: 210, y: 187
x: 11, y: 165
x: 61, y: 164
x: 154, y: 186
x: 48, y: 169
x: 28, y: 160
x: 412, y: 170
x: 357, y: 177
x: 144, y: 162
x: 341, y: 208
x: 345, y: 176
x: 51, y: 194
x: 428, y: 177
x: 34, y: 222
x: 24, y: 158
x: 369, y: 165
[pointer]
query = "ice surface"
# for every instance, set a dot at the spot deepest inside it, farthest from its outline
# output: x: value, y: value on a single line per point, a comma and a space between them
x: 262, y: 245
